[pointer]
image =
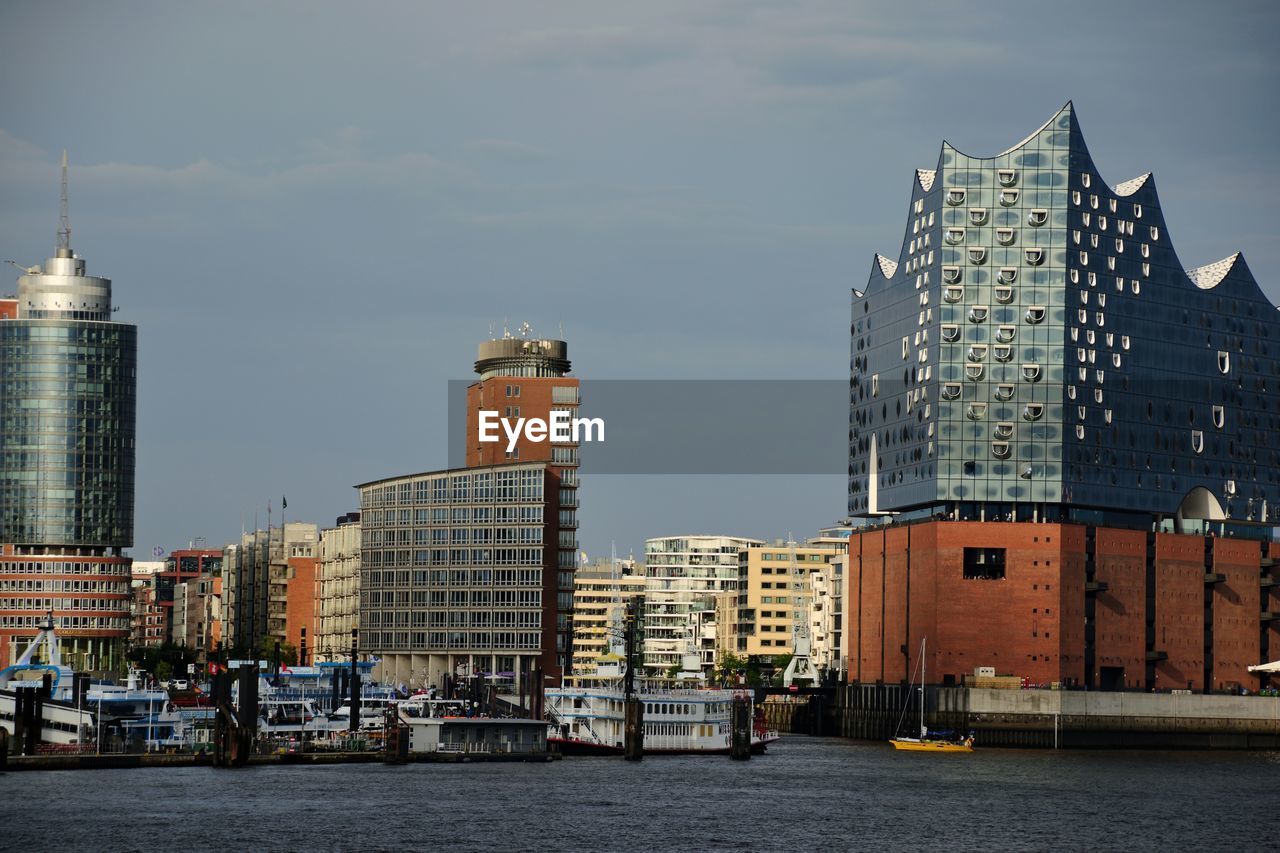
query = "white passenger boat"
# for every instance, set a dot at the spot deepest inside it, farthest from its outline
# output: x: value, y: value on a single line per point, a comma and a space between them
x: 587, y: 715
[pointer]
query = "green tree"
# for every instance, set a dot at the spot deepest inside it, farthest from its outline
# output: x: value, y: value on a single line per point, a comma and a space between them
x: 288, y: 653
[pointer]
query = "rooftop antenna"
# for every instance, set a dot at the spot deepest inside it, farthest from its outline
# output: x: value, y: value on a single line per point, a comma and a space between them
x: 64, y: 216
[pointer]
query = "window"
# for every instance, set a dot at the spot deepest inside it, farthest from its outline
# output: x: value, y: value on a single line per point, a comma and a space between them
x: 1007, y: 177
x: 1197, y: 440
x: 976, y: 411
x: 1003, y: 294
x: 1032, y: 411
x: 1224, y: 362
x: 1008, y: 198
x: 1000, y: 449
x: 950, y: 275
x: 1004, y: 236
x: 1219, y: 416
x: 1038, y: 216
x: 1004, y: 392
x: 984, y: 563
x: 973, y: 371
x: 1002, y: 352
x: 955, y: 197
x: 951, y: 390
x: 1035, y: 257
x: 1008, y: 275
x: 1035, y: 314
x: 955, y: 236
x: 1031, y: 372
x: 977, y: 352
x: 977, y: 254
x: 978, y: 314
x: 1004, y: 430
x: 953, y: 294
x: 1005, y: 334
x: 977, y: 216
x: 950, y: 332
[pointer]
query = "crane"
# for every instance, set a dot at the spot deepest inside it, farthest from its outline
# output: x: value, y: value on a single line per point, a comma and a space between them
x: 801, y: 667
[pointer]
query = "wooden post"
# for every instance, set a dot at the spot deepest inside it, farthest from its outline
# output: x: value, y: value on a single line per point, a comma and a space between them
x: 740, y: 726
x: 633, y: 733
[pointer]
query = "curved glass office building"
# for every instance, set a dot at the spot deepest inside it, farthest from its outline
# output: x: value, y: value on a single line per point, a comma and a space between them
x: 68, y: 380
x: 1037, y: 345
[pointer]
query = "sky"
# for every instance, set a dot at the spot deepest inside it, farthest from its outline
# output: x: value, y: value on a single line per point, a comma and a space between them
x: 315, y: 211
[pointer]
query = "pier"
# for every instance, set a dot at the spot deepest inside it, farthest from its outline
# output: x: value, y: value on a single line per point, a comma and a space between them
x: 1046, y: 719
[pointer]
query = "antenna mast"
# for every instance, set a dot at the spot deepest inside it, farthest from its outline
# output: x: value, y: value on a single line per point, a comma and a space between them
x: 64, y: 217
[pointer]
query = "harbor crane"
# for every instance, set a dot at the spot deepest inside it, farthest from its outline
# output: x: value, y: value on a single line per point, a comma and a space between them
x: 801, y: 667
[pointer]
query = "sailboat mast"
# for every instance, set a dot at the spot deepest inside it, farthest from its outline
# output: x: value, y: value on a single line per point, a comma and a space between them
x: 923, y: 731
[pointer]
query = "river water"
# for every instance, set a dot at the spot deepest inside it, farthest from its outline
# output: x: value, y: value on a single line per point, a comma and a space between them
x: 806, y: 794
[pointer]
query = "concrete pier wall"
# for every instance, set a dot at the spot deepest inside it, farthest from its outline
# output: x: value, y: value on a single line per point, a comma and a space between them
x: 1070, y: 719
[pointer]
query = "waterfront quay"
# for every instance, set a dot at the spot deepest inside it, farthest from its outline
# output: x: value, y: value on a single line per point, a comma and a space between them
x: 1047, y: 719
x: 126, y: 761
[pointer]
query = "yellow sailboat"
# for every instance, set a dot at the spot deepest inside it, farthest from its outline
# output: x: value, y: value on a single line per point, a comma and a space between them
x: 924, y: 743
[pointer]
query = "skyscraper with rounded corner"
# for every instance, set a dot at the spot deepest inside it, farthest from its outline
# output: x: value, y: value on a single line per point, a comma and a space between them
x: 68, y: 388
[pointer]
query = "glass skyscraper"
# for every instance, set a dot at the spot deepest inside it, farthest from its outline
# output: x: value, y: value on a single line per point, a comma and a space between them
x: 1038, y: 350
x: 68, y: 381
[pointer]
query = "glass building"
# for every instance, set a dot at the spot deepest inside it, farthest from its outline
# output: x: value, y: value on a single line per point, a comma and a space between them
x: 68, y: 380
x: 1038, y: 351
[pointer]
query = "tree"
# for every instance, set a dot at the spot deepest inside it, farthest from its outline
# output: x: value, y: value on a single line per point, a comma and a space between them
x: 288, y: 653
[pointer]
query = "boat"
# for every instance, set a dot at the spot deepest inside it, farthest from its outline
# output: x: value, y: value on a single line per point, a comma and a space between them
x: 929, y: 741
x: 453, y: 726
x: 586, y: 714
x: 62, y: 721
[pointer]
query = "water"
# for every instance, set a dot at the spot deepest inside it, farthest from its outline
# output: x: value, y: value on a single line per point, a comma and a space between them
x: 806, y: 794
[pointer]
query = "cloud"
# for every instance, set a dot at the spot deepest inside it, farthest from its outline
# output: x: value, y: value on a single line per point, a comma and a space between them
x: 18, y: 150
x: 600, y: 47
x: 507, y: 149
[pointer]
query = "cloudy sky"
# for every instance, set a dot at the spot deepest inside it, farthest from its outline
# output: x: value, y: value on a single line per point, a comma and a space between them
x: 314, y: 214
